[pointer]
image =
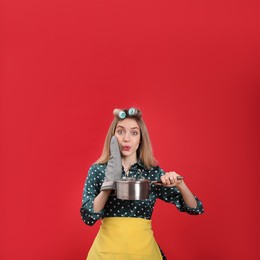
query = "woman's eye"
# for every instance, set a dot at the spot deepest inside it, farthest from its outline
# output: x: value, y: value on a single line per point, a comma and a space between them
x: 119, y: 132
x: 135, y: 133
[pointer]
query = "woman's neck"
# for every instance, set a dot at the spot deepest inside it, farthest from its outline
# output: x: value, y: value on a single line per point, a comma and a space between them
x: 128, y: 162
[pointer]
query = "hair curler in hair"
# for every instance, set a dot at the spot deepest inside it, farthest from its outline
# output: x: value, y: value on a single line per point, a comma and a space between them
x: 119, y: 113
x: 116, y: 111
x: 132, y: 111
x: 122, y: 114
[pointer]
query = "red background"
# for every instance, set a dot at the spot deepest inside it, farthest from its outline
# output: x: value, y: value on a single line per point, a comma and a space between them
x: 193, y: 69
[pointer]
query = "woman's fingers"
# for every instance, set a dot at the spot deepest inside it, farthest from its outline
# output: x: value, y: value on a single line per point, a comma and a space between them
x: 165, y: 180
x: 171, y: 179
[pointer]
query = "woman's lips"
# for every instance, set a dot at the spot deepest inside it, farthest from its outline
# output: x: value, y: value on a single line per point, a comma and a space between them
x: 126, y: 148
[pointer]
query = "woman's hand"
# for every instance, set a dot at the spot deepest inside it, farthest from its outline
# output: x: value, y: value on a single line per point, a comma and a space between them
x: 171, y: 179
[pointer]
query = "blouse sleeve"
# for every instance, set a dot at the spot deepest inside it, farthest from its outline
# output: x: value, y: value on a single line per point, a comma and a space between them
x: 90, y: 191
x: 172, y: 195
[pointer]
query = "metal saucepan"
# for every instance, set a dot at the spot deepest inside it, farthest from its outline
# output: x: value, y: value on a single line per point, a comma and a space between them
x: 132, y: 189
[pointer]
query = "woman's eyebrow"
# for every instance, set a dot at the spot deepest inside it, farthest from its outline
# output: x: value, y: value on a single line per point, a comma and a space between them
x: 132, y: 128
x: 120, y: 126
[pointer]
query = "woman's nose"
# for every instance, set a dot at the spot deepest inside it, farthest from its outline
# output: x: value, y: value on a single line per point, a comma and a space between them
x: 126, y: 137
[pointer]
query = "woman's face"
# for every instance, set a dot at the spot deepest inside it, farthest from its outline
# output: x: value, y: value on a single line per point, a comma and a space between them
x: 128, y: 135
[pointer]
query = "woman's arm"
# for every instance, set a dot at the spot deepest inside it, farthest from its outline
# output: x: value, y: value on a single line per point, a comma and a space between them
x: 100, y: 200
x: 92, y: 198
x: 187, y: 195
x: 169, y: 179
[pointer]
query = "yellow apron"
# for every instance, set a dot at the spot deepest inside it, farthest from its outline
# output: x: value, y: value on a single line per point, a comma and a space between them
x: 122, y: 238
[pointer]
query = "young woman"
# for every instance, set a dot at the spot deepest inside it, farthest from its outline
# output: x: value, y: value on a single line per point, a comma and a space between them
x: 125, y: 232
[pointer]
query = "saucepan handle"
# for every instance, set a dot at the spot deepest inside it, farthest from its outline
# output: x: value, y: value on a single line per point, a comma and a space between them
x: 160, y: 182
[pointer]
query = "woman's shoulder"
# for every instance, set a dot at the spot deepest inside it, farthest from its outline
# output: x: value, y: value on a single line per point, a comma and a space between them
x: 150, y: 168
x: 155, y: 169
x: 98, y: 167
x: 154, y: 172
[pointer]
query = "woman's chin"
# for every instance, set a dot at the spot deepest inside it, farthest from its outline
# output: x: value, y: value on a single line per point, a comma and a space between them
x: 125, y: 153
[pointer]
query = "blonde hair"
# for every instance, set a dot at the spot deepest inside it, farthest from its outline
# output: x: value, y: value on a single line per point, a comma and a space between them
x: 144, y: 151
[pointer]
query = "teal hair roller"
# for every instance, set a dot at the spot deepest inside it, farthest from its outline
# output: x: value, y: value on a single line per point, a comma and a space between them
x: 132, y: 112
x: 122, y: 114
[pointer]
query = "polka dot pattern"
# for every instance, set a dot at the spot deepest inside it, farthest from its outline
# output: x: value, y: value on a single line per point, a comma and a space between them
x: 130, y: 208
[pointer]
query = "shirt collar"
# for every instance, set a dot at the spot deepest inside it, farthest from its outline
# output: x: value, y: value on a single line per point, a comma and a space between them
x: 139, y: 164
